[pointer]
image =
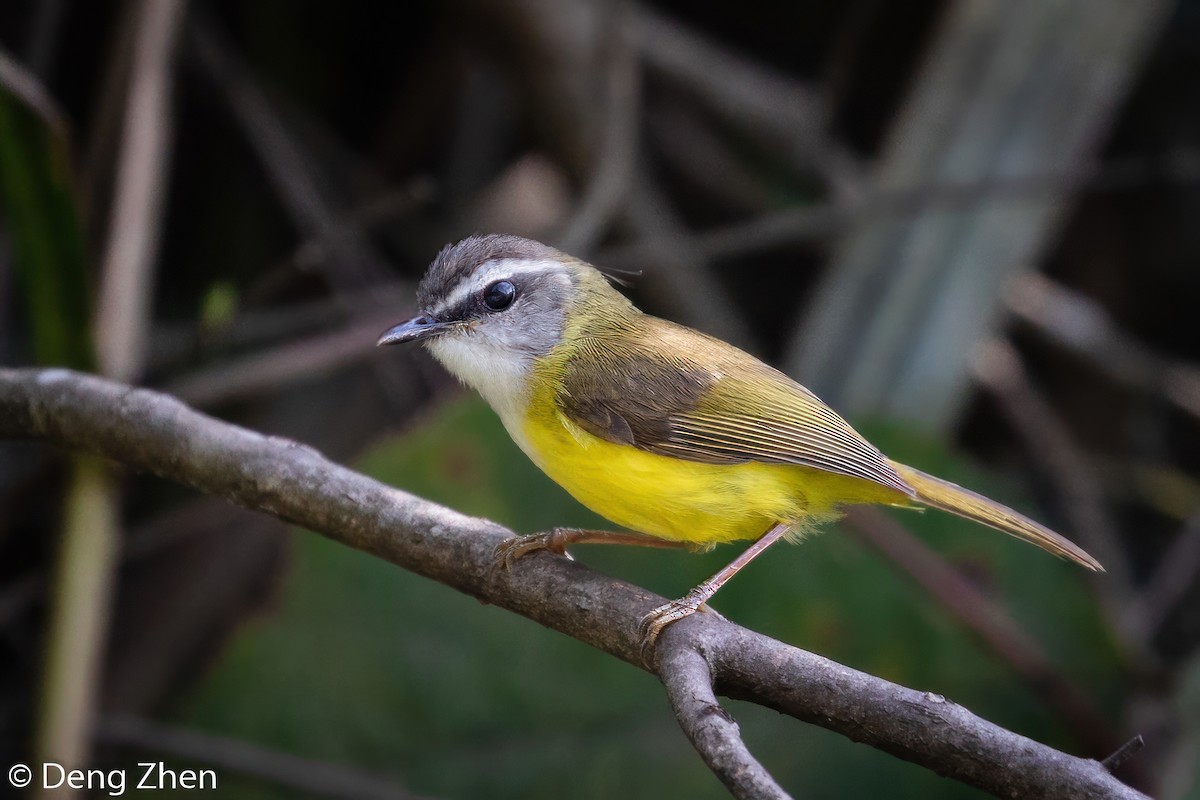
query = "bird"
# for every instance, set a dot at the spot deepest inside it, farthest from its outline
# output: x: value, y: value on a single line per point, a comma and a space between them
x: 680, y: 438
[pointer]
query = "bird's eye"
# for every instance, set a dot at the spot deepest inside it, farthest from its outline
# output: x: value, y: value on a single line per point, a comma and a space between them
x: 499, y: 295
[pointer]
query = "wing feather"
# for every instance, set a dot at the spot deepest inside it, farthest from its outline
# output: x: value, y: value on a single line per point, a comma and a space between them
x: 708, y: 402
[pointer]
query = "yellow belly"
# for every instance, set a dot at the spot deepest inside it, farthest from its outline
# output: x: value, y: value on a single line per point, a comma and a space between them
x: 680, y: 500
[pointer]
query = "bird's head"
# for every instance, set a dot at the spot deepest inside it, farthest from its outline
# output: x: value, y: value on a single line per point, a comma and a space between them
x: 491, y: 306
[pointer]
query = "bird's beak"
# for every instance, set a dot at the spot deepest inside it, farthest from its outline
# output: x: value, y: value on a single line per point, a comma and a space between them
x: 413, y: 330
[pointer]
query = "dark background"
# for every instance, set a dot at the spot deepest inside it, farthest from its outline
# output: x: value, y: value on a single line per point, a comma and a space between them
x: 971, y: 226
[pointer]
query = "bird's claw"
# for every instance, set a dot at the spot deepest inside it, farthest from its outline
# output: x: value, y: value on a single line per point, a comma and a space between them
x: 654, y: 623
x: 508, y: 551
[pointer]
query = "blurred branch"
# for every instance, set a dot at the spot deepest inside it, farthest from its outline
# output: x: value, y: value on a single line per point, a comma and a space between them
x: 682, y: 278
x: 258, y: 326
x: 820, y: 221
x: 145, y: 540
x: 304, y: 775
x: 24, y: 84
x: 1080, y: 324
x: 700, y: 154
x: 278, y: 366
x: 266, y: 326
x: 350, y: 260
x: 789, y: 115
x: 386, y: 206
x: 105, y: 122
x: 157, y: 433
x: 998, y: 367
x: 613, y: 170
x: 1173, y: 577
x: 143, y: 165
x: 961, y: 599
x: 1166, y: 489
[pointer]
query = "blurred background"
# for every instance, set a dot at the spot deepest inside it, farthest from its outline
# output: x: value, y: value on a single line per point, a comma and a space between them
x: 969, y: 225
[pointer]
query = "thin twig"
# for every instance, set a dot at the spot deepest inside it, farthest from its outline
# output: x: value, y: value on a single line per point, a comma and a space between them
x: 158, y: 434
x: 709, y: 727
x: 1124, y: 753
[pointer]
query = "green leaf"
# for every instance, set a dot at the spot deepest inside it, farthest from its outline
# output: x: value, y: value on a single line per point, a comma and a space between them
x: 41, y: 219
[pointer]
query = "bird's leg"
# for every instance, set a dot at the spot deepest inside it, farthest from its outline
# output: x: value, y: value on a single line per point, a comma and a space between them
x: 558, y: 539
x: 653, y: 623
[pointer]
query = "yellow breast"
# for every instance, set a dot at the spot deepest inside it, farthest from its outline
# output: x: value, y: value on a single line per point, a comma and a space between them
x: 674, y: 498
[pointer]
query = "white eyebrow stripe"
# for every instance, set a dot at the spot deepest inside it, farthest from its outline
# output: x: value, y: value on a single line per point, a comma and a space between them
x: 490, y: 271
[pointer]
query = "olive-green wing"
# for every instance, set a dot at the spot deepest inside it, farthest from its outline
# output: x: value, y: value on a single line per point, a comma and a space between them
x: 709, y: 402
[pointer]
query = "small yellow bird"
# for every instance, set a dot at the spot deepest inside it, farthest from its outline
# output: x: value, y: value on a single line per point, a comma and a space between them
x: 666, y: 431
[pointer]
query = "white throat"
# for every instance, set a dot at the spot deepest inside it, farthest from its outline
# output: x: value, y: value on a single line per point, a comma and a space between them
x: 496, y: 372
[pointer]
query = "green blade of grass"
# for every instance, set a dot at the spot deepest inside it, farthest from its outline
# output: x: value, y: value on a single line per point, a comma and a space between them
x: 43, y: 226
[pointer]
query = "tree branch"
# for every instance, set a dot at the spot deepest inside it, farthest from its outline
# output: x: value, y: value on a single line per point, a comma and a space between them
x: 709, y: 727
x: 156, y: 433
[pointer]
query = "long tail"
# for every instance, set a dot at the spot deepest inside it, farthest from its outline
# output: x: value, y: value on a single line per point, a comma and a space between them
x: 946, y: 496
